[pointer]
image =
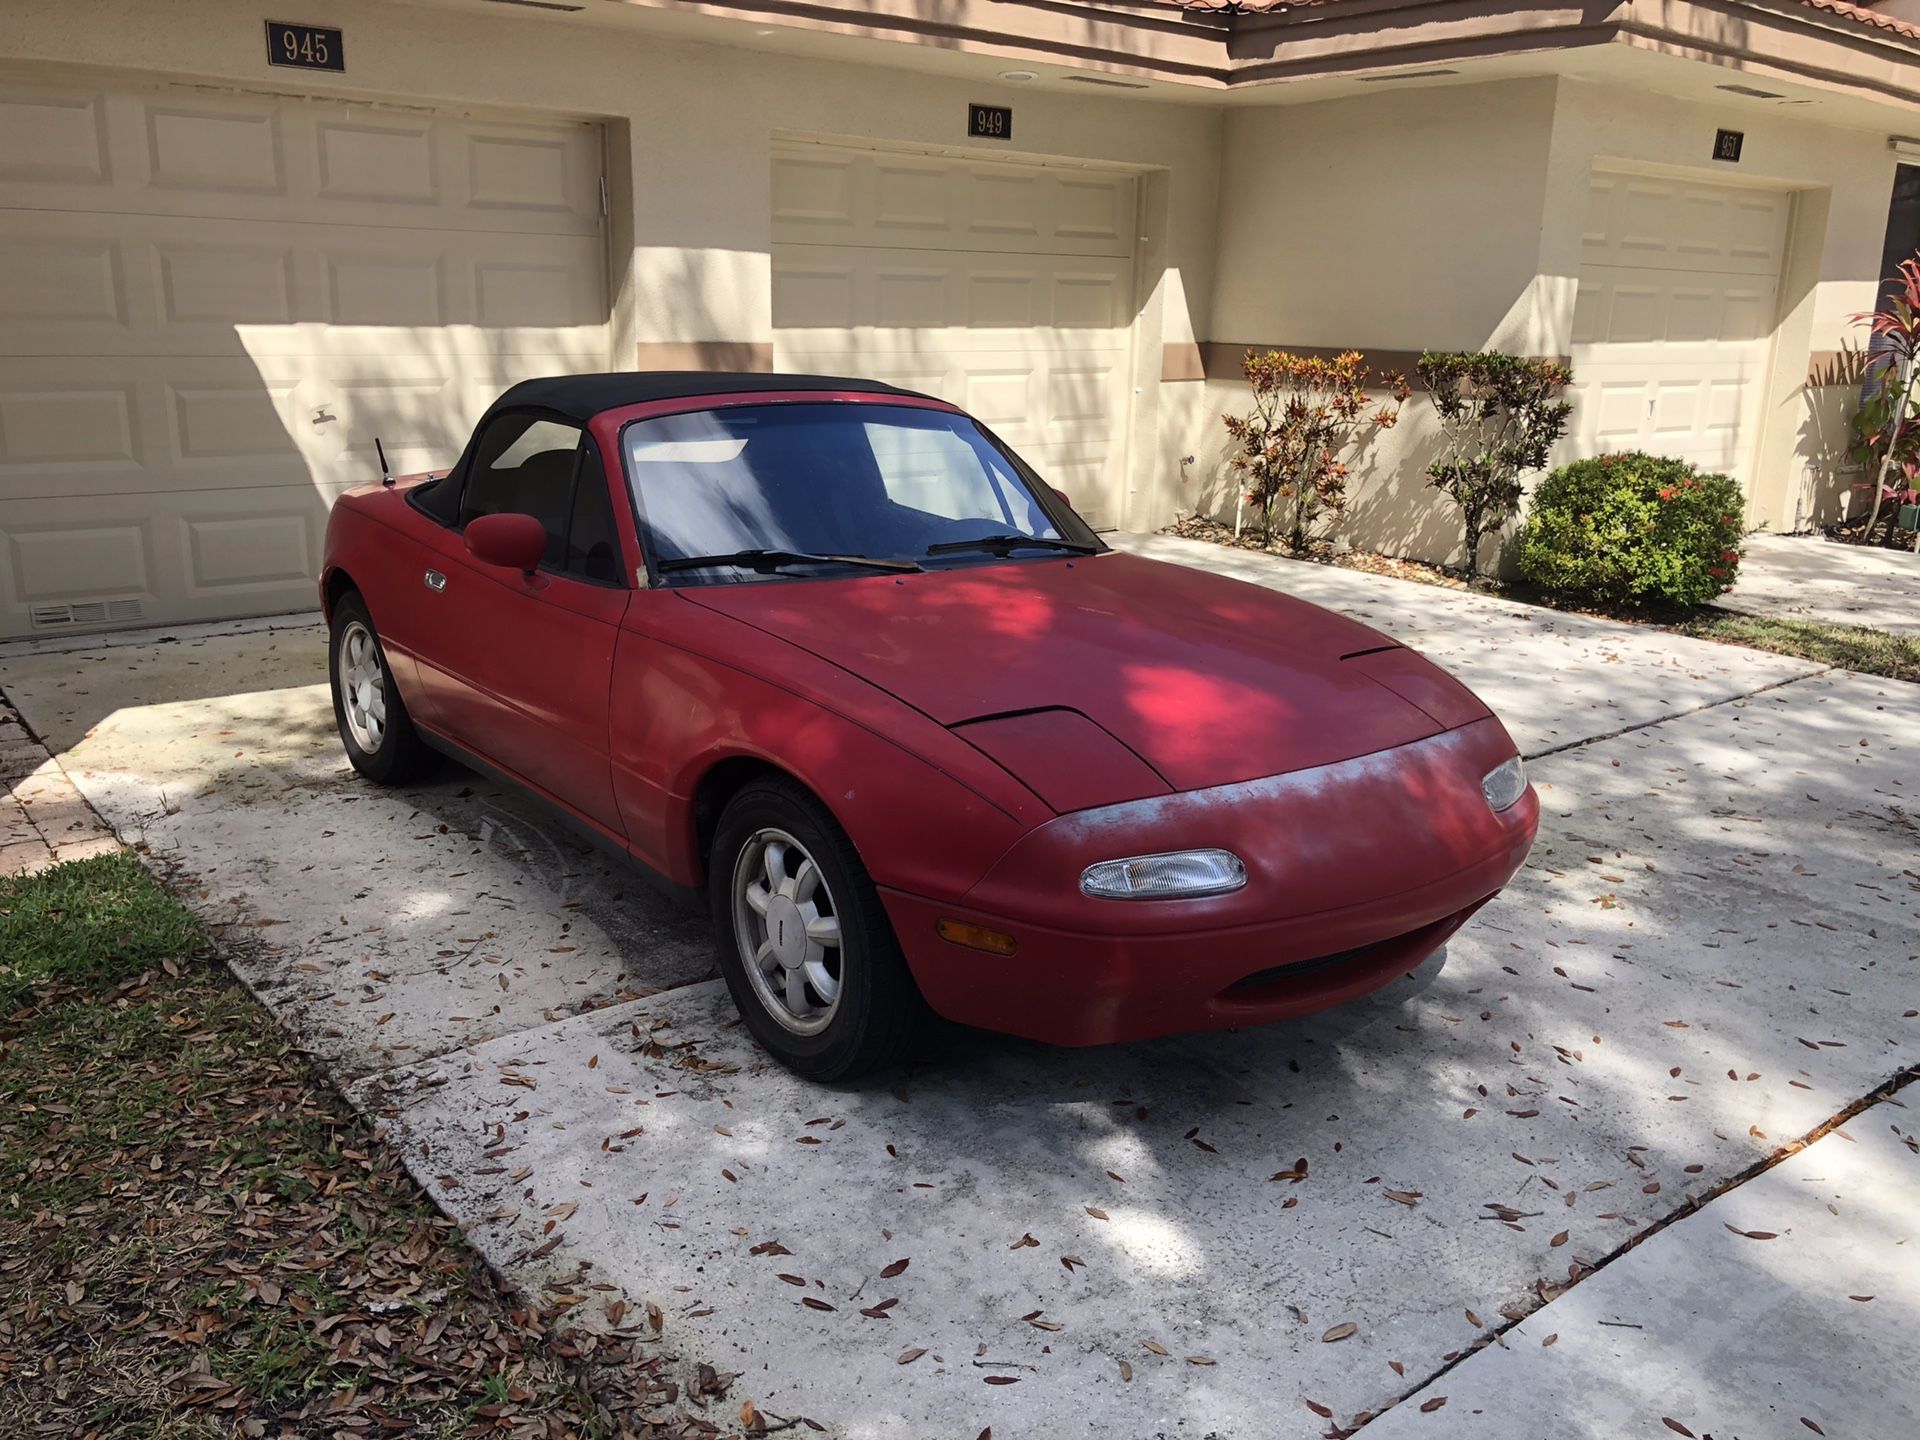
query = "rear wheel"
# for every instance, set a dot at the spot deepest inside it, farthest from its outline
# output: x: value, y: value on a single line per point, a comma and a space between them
x: 379, y: 737
x: 806, y: 948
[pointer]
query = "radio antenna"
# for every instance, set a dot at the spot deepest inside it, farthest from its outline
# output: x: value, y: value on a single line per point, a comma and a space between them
x: 386, y: 470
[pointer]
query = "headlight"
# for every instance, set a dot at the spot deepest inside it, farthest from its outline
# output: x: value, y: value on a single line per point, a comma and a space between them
x: 1182, y: 875
x: 1504, y: 784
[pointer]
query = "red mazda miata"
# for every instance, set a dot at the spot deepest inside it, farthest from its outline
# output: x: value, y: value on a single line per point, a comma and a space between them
x: 830, y: 656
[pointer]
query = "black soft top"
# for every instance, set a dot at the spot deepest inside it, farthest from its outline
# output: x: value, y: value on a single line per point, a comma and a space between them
x: 581, y: 397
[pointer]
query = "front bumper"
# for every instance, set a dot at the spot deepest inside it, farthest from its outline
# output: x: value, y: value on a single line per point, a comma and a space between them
x: 1356, y: 872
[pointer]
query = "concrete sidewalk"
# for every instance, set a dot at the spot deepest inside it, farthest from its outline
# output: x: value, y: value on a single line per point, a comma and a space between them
x: 1808, y: 577
x: 1713, y: 951
x: 44, y: 820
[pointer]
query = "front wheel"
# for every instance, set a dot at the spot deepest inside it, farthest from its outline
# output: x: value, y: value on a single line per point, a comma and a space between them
x: 374, y: 727
x: 806, y: 948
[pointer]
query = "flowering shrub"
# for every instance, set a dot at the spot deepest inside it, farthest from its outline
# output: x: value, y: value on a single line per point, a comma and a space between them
x: 1499, y: 418
x: 1886, y: 430
x: 1633, y: 529
x: 1309, y: 418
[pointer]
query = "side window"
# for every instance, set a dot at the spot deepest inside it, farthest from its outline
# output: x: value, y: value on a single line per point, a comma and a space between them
x: 524, y: 464
x: 440, y: 499
x: 593, y: 545
x: 549, y: 469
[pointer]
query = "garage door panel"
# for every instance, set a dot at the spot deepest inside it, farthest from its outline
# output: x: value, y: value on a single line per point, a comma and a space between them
x: 837, y: 288
x: 186, y: 152
x: 224, y: 283
x: 202, y: 556
x: 57, y: 136
x: 1673, y: 318
x: 64, y: 282
x: 1623, y: 306
x: 203, y: 147
x: 240, y: 419
x: 211, y: 305
x: 1004, y: 288
x: 103, y: 285
x: 380, y: 159
x: 826, y: 195
x: 59, y: 560
x: 275, y: 551
x: 1649, y: 222
x: 78, y: 424
x: 374, y: 289
x: 1001, y: 299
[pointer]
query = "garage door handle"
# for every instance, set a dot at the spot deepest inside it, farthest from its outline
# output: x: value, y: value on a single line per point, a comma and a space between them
x: 436, y: 582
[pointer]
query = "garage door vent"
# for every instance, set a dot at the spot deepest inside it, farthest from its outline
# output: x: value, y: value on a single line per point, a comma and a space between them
x: 87, y: 612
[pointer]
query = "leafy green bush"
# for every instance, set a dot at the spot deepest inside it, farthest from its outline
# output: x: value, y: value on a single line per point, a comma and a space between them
x: 1633, y: 529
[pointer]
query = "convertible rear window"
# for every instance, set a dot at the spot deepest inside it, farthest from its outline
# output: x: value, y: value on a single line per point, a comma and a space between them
x: 866, y: 481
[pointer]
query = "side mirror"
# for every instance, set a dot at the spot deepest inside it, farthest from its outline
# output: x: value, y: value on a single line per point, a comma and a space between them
x: 513, y: 542
x: 1065, y: 499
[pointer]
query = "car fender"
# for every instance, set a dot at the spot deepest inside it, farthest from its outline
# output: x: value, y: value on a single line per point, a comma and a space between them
x: 693, y: 690
x: 378, y: 558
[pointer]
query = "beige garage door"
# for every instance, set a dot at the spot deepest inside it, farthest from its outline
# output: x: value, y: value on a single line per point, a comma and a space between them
x: 1675, y: 313
x: 1006, y: 289
x: 211, y: 304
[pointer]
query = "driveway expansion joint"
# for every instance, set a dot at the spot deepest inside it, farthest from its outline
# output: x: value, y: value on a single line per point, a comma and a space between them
x: 1883, y: 1093
x: 1813, y: 674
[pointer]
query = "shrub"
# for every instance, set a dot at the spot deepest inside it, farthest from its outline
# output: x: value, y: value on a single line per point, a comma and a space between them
x: 1886, y: 429
x: 1290, y: 455
x: 1633, y: 529
x: 1499, y: 418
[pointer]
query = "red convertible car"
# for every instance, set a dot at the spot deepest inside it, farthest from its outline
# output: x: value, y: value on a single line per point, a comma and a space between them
x: 831, y: 657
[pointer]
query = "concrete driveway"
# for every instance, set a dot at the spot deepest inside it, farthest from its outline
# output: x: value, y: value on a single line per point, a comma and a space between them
x: 1714, y: 952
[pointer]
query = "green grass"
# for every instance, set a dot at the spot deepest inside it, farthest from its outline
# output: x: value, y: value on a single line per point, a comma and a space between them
x: 193, y: 1224
x: 1851, y: 647
x: 90, y: 924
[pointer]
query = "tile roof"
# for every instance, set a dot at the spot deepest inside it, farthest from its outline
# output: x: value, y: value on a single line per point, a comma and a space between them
x: 1866, y: 16
x: 1841, y: 9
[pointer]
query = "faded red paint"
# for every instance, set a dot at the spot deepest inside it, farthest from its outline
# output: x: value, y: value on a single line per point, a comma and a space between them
x: 983, y: 734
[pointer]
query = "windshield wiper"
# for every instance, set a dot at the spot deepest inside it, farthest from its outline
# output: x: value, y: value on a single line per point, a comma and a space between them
x: 774, y: 559
x: 1002, y: 544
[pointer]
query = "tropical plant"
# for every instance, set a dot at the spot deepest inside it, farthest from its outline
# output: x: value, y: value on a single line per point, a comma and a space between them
x: 1886, y: 430
x: 1292, y: 454
x: 1633, y: 529
x: 1499, y: 418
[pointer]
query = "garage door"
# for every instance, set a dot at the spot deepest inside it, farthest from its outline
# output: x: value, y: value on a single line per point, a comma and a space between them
x: 1006, y: 289
x: 211, y: 304
x: 1678, y: 290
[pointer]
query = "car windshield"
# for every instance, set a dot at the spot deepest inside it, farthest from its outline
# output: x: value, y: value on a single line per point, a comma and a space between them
x: 752, y: 492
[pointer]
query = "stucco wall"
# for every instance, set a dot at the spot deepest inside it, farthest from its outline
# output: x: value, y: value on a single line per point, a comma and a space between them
x: 1452, y: 218
x: 690, y: 132
x: 1390, y: 223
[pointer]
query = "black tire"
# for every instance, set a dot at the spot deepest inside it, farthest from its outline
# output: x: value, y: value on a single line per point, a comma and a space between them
x: 396, y: 754
x: 879, y: 1008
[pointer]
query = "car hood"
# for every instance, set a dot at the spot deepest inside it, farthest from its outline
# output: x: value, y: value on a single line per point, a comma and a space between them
x: 1206, y: 679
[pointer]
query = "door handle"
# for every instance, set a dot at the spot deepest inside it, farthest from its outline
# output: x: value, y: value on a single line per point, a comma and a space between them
x: 436, y: 582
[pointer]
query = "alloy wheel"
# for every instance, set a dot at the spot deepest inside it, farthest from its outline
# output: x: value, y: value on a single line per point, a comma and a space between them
x: 788, y: 930
x: 363, y: 687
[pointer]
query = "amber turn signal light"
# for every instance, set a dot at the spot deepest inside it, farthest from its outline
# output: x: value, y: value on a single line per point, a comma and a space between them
x: 976, y: 937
